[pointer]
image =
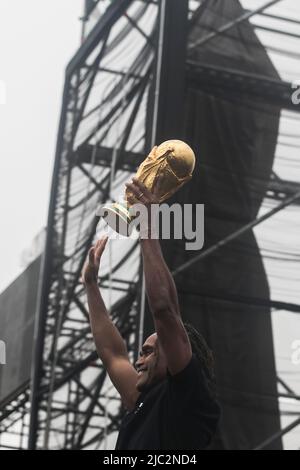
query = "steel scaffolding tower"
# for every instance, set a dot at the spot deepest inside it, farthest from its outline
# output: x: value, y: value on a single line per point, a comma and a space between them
x: 115, y: 104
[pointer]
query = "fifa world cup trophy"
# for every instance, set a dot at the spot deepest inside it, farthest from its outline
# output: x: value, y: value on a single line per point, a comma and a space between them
x: 167, y: 167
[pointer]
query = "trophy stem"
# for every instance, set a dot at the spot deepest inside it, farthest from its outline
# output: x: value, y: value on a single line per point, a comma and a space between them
x: 117, y: 216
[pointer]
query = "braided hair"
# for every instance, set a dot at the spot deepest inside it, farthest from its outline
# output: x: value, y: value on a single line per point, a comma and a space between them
x: 203, y: 354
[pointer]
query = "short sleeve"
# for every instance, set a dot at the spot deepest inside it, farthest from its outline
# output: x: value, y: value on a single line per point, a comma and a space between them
x: 191, y: 412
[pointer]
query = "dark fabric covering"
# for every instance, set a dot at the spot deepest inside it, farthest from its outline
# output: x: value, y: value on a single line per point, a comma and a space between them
x: 17, y: 313
x: 234, y: 144
x: 176, y: 414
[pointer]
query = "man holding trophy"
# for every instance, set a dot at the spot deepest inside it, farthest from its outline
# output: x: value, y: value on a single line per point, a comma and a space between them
x: 170, y: 393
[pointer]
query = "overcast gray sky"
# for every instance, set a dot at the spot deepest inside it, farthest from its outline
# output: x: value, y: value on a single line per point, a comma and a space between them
x: 37, y: 39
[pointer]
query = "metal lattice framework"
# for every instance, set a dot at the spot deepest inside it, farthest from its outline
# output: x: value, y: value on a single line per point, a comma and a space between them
x: 101, y: 141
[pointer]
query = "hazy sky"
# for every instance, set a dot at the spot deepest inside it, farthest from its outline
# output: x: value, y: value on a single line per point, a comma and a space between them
x: 37, y: 39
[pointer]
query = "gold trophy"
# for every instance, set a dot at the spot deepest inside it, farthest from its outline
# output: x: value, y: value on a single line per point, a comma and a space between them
x: 170, y: 166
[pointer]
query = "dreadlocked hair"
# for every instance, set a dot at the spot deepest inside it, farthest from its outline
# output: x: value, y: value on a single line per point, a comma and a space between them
x: 203, y: 354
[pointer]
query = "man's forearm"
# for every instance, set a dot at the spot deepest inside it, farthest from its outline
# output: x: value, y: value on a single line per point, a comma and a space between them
x: 106, y: 336
x: 160, y: 285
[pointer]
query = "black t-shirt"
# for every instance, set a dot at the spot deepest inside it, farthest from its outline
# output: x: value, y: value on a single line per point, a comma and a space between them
x: 176, y: 414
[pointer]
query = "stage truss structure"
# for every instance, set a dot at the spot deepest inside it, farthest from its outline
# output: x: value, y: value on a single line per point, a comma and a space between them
x: 70, y: 402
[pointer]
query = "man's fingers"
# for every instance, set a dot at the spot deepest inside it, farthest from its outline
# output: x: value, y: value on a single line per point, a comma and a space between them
x: 141, y: 186
x: 97, y: 250
x: 136, y: 196
x: 96, y: 246
x: 133, y: 200
x: 100, y: 247
x: 91, y: 255
x: 135, y: 189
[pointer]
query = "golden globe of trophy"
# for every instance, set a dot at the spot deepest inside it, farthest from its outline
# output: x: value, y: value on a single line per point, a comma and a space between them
x: 167, y: 167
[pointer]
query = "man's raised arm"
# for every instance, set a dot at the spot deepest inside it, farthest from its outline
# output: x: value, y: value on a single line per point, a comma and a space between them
x: 161, y: 292
x: 109, y: 343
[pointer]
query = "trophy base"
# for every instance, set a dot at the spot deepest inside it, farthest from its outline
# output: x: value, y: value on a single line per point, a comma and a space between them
x: 117, y: 216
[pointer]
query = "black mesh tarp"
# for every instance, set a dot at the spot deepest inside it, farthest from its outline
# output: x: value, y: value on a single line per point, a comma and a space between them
x: 17, y: 313
x: 234, y: 141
